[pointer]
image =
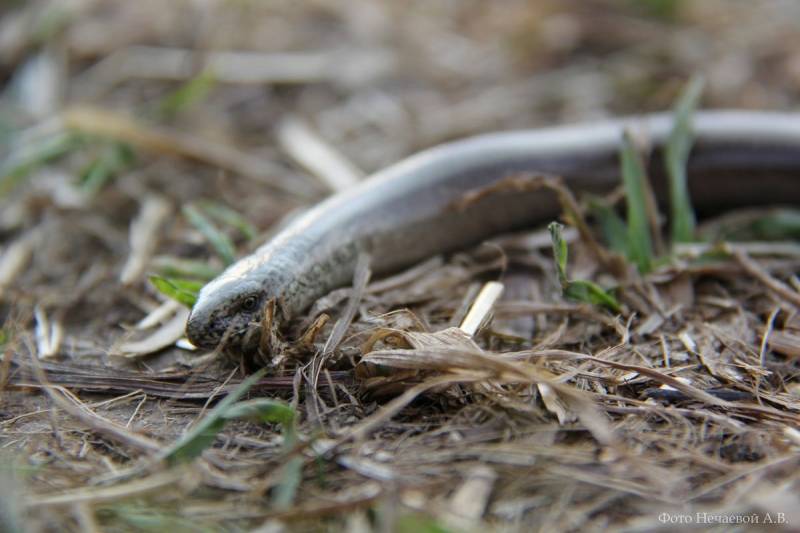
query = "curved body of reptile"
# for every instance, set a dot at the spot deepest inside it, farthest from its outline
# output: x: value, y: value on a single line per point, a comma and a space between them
x: 405, y: 212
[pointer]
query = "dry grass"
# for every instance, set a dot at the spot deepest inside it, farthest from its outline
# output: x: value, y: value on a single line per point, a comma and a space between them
x: 553, y: 416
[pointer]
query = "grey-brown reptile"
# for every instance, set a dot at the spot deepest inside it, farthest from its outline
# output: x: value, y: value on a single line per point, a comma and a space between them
x: 405, y: 212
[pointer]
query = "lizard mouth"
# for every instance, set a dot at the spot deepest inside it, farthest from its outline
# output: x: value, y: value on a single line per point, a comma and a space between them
x: 248, y: 344
x: 200, y: 333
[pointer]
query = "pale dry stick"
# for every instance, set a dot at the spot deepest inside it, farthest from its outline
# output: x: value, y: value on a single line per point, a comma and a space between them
x: 42, y: 334
x: 754, y: 269
x: 468, y: 503
x: 465, y: 305
x: 792, y: 434
x: 126, y: 490
x: 170, y: 332
x: 317, y: 156
x: 143, y: 236
x: 163, y: 140
x: 15, y: 257
x: 762, y: 353
x: 665, y: 349
x: 159, y: 315
x: 481, y: 307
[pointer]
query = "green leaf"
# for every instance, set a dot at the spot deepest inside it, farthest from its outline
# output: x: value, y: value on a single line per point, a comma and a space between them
x: 780, y: 225
x: 177, y: 267
x: 589, y: 292
x: 682, y: 218
x: 192, y: 92
x: 181, y: 290
x: 419, y: 523
x: 580, y: 290
x: 268, y: 411
x: 18, y: 167
x: 613, y: 228
x: 219, y: 241
x: 146, y: 518
x: 226, y: 215
x: 113, y: 159
x: 200, y: 437
x: 560, y: 251
x: 666, y: 10
x: 640, y: 246
x: 286, y: 490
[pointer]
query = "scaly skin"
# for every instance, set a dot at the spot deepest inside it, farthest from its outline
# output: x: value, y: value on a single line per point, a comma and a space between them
x: 405, y: 213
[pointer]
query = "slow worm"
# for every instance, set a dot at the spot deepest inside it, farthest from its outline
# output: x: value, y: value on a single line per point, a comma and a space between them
x: 405, y: 212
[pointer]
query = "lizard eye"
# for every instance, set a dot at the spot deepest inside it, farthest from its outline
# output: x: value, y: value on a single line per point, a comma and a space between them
x: 250, y: 303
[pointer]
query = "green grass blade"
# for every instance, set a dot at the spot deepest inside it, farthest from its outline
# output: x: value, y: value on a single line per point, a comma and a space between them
x: 781, y: 225
x: 560, y: 251
x: 589, y: 292
x: 286, y: 490
x: 182, y: 290
x: 192, y: 92
x: 580, y: 290
x: 19, y: 167
x: 176, y: 267
x: 111, y: 161
x: 145, y: 518
x: 419, y: 523
x: 665, y: 10
x: 682, y: 218
x: 219, y: 241
x: 225, y: 215
x: 267, y: 411
x: 612, y: 227
x: 640, y: 244
x: 200, y: 437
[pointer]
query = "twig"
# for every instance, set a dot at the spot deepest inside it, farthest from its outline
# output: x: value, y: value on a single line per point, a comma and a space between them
x: 143, y: 237
x: 762, y: 353
x: 317, y: 156
x: 754, y: 269
x: 481, y: 307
